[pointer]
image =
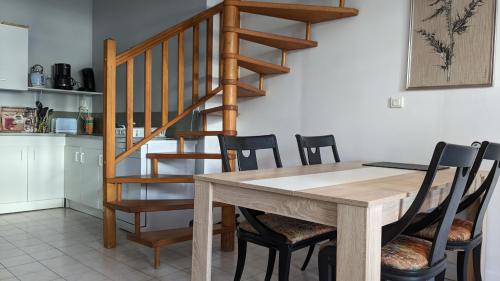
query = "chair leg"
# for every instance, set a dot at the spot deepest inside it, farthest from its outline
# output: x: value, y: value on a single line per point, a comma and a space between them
x: 440, y: 276
x: 284, y: 264
x: 462, y: 265
x: 242, y: 254
x: 270, y: 264
x: 308, y: 258
x: 157, y: 258
x: 476, y: 255
x: 327, y: 264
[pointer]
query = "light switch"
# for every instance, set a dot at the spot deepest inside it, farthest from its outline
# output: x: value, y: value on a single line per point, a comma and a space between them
x: 396, y: 102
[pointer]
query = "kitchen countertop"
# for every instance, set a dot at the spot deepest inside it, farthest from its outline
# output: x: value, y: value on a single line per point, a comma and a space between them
x: 3, y: 134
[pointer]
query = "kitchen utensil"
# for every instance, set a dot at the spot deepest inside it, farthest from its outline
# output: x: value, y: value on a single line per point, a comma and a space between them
x: 37, y: 79
x: 88, y: 80
x: 66, y: 125
x: 62, y: 76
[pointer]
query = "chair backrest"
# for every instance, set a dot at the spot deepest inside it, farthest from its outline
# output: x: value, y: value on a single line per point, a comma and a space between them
x: 315, y: 142
x: 251, y: 144
x: 245, y: 163
x: 462, y: 159
x: 487, y: 151
x: 491, y: 152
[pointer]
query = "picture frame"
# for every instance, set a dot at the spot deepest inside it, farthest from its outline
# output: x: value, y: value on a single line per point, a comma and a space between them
x: 451, y: 44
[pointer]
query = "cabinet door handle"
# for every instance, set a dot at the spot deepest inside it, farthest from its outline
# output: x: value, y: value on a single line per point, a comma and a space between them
x: 101, y: 160
x: 3, y: 79
x: 21, y: 155
x: 77, y: 156
x: 82, y: 157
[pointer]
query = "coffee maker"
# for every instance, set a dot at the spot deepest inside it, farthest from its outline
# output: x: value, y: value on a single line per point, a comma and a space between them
x: 88, y: 80
x: 62, y: 76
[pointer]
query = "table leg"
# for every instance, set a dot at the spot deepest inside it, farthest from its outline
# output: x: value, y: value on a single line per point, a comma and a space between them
x: 202, y: 232
x: 359, y: 243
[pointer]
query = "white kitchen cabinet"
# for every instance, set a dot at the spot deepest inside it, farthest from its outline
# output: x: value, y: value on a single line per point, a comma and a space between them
x: 83, y: 173
x: 13, y: 174
x: 45, y: 172
x: 72, y: 173
x: 31, y: 172
x: 13, y: 57
x: 91, y: 160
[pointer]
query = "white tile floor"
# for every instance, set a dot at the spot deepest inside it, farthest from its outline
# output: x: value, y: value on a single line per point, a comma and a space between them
x: 61, y: 244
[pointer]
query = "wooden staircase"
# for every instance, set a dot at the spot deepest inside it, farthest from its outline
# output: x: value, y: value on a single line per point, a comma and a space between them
x: 227, y: 82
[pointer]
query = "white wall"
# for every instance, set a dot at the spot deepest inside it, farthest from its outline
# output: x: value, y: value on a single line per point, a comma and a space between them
x: 60, y: 31
x: 343, y: 85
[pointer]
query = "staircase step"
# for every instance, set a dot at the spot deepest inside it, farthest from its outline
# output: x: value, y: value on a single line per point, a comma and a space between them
x: 246, y: 90
x: 218, y: 109
x: 297, y: 12
x: 137, y: 206
x: 197, y: 134
x: 273, y: 40
x: 160, y: 238
x: 261, y: 66
x: 152, y: 179
x: 185, y: 155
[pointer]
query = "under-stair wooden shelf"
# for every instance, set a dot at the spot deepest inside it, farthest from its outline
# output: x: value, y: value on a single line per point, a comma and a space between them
x: 136, y: 206
x: 161, y: 238
x: 297, y: 12
x: 261, y: 66
x: 274, y: 40
x: 151, y: 179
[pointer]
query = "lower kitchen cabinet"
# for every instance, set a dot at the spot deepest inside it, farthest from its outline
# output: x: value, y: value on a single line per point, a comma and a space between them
x: 14, y: 174
x: 83, y: 172
x: 31, y: 173
x: 45, y: 172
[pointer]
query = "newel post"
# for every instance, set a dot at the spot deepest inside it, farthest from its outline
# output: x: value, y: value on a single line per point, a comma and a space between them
x: 231, y: 20
x: 109, y: 190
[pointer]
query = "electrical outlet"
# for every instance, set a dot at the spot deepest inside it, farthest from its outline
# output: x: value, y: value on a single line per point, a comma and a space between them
x: 396, y: 102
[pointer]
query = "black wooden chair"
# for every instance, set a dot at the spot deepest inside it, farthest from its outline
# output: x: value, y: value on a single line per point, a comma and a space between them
x: 466, y: 236
x: 316, y: 142
x: 278, y: 233
x: 409, y: 258
x: 314, y: 158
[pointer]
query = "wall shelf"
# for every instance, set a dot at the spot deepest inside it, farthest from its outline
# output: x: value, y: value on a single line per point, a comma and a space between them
x: 66, y: 92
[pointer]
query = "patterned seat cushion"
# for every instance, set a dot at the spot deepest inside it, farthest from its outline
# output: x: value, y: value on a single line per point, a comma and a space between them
x: 461, y: 230
x: 293, y: 229
x: 407, y: 253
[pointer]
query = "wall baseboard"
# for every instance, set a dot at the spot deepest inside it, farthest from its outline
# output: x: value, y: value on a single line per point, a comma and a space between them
x: 6, y: 208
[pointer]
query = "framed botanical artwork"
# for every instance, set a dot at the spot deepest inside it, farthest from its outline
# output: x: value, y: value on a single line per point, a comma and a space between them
x: 451, y: 43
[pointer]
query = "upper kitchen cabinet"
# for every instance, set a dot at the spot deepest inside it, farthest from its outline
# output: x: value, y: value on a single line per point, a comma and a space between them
x: 13, y: 57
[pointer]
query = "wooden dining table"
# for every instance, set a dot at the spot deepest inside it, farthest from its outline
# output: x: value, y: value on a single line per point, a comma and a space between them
x: 356, y: 199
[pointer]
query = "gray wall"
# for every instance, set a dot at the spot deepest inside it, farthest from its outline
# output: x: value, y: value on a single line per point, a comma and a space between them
x: 60, y: 31
x: 132, y: 22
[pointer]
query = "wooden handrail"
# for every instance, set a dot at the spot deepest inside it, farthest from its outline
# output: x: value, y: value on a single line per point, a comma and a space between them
x: 167, y: 34
x: 170, y: 123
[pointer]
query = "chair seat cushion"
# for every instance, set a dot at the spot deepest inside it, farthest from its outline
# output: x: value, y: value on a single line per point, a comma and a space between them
x: 406, y: 253
x: 461, y: 230
x: 293, y: 229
